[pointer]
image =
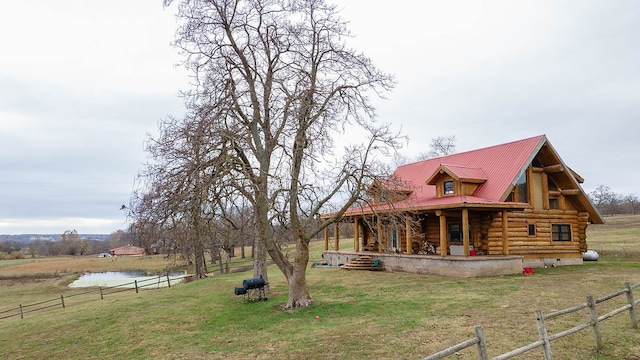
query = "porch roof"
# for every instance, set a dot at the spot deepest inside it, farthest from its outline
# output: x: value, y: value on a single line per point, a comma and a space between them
x: 427, y: 204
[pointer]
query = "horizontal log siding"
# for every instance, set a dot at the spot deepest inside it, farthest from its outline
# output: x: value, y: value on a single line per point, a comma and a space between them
x: 433, y: 230
x: 540, y: 245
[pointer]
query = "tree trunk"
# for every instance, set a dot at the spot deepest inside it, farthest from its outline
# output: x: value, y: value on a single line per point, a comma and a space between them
x: 227, y: 261
x: 199, y: 259
x: 213, y: 253
x: 260, y: 262
x: 297, y: 279
x: 221, y: 263
x: 298, y: 293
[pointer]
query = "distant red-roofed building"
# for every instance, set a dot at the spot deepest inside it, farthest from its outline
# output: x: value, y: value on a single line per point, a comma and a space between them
x: 517, y: 198
x: 127, y: 250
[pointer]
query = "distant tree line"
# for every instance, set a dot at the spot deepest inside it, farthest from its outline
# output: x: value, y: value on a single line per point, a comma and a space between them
x: 10, y: 250
x: 69, y: 243
x: 609, y: 202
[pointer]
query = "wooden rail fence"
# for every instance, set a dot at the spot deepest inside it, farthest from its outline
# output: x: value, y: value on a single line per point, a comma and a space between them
x: 545, y: 339
x: 136, y: 285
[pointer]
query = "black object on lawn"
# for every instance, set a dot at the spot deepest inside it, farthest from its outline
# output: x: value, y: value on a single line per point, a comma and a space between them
x: 256, y: 284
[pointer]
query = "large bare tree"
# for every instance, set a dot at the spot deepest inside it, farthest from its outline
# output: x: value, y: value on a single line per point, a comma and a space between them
x: 178, y: 197
x: 290, y: 104
x: 439, y: 146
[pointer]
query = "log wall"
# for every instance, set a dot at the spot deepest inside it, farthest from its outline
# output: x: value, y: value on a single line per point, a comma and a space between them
x: 541, y: 245
x: 487, y: 234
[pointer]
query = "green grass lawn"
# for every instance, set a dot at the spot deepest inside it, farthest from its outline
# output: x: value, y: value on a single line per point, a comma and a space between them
x: 362, y: 314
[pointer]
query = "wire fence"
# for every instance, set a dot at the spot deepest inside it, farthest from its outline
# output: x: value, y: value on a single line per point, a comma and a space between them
x: 151, y: 282
x: 88, y: 295
x: 545, y: 338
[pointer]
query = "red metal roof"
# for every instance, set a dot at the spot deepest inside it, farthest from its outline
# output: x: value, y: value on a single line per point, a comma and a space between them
x: 499, y: 165
x: 127, y: 250
x: 459, y: 173
x: 496, y: 169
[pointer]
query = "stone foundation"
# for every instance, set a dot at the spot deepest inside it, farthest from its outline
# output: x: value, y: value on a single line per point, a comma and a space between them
x: 453, y: 266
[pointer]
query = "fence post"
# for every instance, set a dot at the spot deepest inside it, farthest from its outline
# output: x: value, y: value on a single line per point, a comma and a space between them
x: 632, y: 310
x: 136, y: 282
x: 593, y: 314
x: 62, y: 300
x: 21, y: 312
x: 101, y: 295
x: 542, y: 331
x: 168, y: 280
x: 482, y: 344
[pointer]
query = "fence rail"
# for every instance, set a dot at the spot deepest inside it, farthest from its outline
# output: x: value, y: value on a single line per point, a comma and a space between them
x: 546, y: 339
x: 136, y: 285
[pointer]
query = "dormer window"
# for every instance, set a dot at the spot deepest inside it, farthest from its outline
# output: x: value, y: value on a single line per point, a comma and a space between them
x: 452, y: 180
x: 448, y: 187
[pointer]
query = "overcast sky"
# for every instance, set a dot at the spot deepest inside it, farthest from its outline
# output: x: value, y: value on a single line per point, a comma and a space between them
x: 83, y: 82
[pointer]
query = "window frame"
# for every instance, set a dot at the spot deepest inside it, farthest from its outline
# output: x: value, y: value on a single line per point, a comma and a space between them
x: 457, y: 229
x: 561, y: 233
x: 395, y: 238
x: 531, y: 229
x: 383, y: 197
x: 448, y: 190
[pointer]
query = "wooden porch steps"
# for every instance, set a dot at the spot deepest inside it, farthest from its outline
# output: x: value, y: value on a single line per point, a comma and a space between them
x: 363, y: 263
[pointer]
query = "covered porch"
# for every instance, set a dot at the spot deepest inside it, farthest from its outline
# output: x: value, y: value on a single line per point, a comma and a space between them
x: 466, y: 241
x: 463, y: 231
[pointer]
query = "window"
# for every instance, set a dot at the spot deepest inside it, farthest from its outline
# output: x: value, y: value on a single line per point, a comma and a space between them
x: 509, y: 197
x: 532, y: 229
x: 455, y: 233
x: 561, y: 232
x: 394, y: 238
x: 522, y: 192
x: 554, y: 204
x: 448, y: 187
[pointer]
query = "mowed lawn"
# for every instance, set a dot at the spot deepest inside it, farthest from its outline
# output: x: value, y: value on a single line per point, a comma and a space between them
x: 361, y: 314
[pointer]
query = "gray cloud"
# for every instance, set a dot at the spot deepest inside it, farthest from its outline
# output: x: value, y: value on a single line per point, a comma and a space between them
x: 84, y: 83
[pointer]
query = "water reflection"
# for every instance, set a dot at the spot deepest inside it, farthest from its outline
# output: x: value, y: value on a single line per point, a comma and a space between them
x: 128, y: 279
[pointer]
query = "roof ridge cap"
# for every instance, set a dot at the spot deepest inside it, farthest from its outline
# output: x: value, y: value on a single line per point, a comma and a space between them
x: 462, y: 166
x: 474, y: 150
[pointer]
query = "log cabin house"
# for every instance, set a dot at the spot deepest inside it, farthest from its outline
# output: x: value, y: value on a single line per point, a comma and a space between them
x: 485, y: 212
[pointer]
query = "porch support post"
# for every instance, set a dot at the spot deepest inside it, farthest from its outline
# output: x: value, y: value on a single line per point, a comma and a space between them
x: 356, y: 234
x: 505, y: 235
x: 326, y: 238
x: 408, y: 236
x: 465, y: 230
x: 443, y: 233
x: 336, y: 240
x: 379, y: 225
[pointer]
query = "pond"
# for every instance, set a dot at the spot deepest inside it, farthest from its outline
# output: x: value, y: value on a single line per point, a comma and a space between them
x: 128, y: 279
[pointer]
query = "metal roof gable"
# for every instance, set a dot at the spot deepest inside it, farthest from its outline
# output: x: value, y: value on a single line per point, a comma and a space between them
x: 502, y: 165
